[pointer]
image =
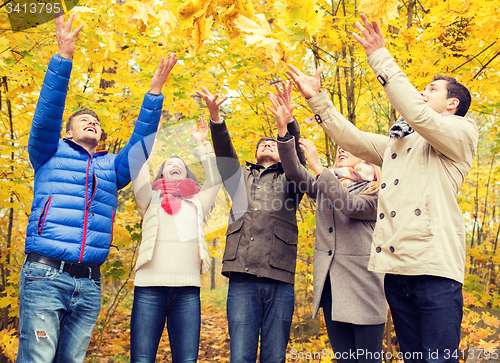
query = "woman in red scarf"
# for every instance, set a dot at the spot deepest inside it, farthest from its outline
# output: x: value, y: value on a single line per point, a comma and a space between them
x: 173, y: 254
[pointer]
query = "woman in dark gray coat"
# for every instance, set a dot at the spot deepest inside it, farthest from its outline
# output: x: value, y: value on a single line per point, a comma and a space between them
x: 352, y: 297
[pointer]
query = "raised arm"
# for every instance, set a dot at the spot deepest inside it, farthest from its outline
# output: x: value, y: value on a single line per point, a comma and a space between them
x: 369, y: 147
x: 288, y: 126
x: 131, y: 158
x: 47, y: 121
x: 227, y: 158
x: 211, y: 186
x: 451, y: 135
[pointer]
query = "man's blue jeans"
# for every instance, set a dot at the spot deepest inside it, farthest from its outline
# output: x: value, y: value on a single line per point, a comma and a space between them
x: 182, y: 309
x: 259, y: 306
x: 57, y: 314
x: 427, y: 314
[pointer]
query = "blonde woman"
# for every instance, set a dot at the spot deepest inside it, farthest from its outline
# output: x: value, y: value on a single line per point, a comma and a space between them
x: 346, y: 197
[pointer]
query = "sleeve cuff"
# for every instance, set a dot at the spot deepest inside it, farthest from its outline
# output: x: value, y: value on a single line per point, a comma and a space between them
x: 285, y: 138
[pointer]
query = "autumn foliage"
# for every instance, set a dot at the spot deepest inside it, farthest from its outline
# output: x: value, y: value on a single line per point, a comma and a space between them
x: 241, y: 48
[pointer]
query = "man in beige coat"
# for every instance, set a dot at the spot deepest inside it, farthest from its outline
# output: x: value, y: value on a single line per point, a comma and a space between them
x: 419, y: 238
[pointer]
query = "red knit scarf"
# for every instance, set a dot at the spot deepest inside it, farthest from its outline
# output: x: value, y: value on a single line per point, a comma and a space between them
x: 173, y: 191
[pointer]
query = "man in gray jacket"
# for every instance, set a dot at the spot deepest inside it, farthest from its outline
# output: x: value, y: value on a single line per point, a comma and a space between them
x: 261, y: 243
x: 419, y: 237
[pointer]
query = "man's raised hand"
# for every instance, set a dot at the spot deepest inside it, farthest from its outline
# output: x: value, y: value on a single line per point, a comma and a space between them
x: 373, y: 37
x: 212, y: 104
x: 66, y: 37
x: 281, y: 112
x: 162, y: 72
x: 308, y: 86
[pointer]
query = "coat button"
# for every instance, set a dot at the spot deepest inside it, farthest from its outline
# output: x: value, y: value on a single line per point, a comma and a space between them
x: 258, y: 187
x: 391, y: 249
x: 381, y: 215
x: 246, y: 269
x: 251, y: 238
x: 330, y: 253
x: 418, y: 212
x: 255, y: 209
x: 378, y: 249
x: 330, y: 229
x: 382, y: 185
x: 396, y: 182
x: 408, y: 150
x: 394, y: 155
x: 393, y: 214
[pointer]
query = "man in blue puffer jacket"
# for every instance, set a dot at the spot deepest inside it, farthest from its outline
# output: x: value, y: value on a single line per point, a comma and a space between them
x: 71, y: 223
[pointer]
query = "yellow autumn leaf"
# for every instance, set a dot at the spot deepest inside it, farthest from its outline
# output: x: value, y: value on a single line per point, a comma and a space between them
x: 250, y: 26
x: 167, y: 20
x: 379, y: 9
x: 108, y: 39
x: 82, y: 9
x: 490, y: 320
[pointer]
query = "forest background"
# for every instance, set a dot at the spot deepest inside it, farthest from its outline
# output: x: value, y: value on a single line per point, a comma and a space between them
x: 241, y: 48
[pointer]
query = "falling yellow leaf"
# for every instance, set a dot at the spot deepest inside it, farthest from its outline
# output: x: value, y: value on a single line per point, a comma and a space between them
x: 379, y: 9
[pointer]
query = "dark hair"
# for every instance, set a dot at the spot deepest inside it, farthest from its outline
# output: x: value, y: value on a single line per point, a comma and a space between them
x: 84, y: 111
x: 189, y: 173
x: 458, y: 91
x: 262, y: 140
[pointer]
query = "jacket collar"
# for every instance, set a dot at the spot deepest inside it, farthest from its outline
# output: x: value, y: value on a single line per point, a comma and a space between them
x: 74, y: 145
x: 252, y: 166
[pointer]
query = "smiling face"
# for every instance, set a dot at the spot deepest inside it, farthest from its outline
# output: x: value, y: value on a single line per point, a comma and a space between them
x: 345, y: 158
x: 175, y: 169
x: 85, y: 130
x: 267, y: 152
x: 436, y: 97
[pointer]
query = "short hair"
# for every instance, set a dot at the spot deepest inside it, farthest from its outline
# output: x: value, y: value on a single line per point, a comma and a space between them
x: 262, y: 140
x: 189, y: 173
x: 458, y: 91
x: 84, y: 111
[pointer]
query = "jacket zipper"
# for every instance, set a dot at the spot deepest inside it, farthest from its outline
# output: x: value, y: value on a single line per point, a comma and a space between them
x: 86, y: 212
x: 112, y: 226
x: 44, y: 213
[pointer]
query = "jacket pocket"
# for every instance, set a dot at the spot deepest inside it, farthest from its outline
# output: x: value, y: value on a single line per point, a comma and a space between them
x: 233, y: 235
x: 43, y: 215
x: 284, y: 249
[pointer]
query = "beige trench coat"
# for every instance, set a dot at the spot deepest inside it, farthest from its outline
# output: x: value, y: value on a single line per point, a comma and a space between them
x: 420, y: 229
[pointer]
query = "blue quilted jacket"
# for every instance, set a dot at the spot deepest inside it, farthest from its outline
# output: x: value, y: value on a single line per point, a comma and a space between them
x: 75, y: 193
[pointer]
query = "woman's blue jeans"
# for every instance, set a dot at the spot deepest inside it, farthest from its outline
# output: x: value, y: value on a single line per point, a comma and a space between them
x: 181, y: 308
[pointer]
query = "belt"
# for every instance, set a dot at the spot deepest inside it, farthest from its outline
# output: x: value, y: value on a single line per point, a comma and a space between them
x: 73, y: 269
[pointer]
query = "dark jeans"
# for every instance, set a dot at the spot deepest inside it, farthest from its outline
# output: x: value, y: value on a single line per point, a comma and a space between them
x: 259, y: 305
x: 427, y: 314
x: 181, y: 307
x: 351, y: 342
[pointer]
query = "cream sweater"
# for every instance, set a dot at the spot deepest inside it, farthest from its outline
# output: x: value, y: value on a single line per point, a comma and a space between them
x: 173, y: 250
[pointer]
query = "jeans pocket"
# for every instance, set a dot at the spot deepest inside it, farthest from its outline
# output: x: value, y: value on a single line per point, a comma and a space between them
x: 96, y: 283
x: 35, y: 271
